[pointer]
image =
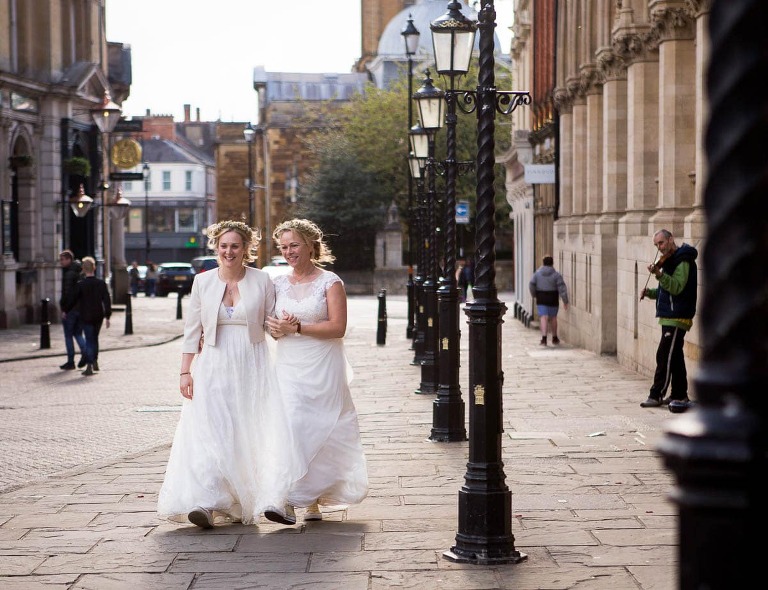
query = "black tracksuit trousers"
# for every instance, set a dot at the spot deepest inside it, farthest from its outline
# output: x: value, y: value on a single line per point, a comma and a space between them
x: 670, y: 365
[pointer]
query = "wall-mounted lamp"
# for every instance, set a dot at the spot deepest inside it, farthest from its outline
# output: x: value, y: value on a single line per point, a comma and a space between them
x: 81, y: 204
x: 119, y: 207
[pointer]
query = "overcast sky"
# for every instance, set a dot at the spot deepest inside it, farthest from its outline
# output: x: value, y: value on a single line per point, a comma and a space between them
x: 202, y: 53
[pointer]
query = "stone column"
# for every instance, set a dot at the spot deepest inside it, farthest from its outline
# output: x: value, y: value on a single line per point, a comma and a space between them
x: 677, y: 117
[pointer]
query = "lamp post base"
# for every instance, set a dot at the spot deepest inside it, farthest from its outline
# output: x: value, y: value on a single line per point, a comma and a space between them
x: 485, y: 522
x: 460, y: 557
x: 448, y: 417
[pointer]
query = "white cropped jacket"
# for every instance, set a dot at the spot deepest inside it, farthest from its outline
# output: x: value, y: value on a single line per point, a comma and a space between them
x: 256, y: 291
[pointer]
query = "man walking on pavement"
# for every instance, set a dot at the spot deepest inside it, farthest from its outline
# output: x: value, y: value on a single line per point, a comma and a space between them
x: 548, y: 287
x: 95, y: 306
x: 70, y: 317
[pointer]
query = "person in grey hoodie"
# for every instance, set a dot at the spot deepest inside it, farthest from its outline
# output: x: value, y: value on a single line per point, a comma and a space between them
x: 548, y: 287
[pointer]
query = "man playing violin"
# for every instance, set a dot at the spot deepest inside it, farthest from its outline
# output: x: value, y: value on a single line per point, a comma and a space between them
x: 675, y: 307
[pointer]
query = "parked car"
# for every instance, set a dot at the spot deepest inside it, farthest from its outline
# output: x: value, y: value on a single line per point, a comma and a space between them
x: 174, y: 275
x: 203, y: 263
x: 277, y: 266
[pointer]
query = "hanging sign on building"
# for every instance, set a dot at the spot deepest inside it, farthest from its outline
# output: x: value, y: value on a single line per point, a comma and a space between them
x: 540, y: 173
x: 126, y: 153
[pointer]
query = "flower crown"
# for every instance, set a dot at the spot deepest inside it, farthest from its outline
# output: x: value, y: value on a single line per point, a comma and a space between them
x: 228, y: 225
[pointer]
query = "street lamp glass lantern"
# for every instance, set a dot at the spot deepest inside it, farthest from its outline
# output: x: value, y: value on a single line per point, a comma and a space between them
x: 119, y: 207
x: 453, y: 39
x: 107, y: 114
x: 415, y: 165
x: 249, y: 132
x: 419, y: 141
x: 81, y: 204
x: 430, y: 103
x: 411, y: 37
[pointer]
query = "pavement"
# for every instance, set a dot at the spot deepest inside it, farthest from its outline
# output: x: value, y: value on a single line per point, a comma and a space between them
x: 82, y: 460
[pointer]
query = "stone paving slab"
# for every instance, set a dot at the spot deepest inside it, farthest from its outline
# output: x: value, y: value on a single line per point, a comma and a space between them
x: 590, y: 505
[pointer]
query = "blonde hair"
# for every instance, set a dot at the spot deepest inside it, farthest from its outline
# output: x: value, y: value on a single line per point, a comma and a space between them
x: 89, y: 264
x: 311, y: 235
x: 251, y: 237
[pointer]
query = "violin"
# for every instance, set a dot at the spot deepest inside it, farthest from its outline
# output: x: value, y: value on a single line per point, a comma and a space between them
x: 653, y: 269
x: 656, y: 266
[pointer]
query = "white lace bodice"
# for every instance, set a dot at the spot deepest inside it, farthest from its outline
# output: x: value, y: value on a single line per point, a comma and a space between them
x: 306, y: 301
x: 232, y: 315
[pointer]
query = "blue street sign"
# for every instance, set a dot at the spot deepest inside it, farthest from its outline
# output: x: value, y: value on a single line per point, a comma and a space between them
x: 462, y: 212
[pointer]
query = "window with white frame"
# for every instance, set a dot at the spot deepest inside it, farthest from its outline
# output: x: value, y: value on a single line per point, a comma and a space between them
x: 186, y: 220
x: 188, y: 180
x: 166, y: 180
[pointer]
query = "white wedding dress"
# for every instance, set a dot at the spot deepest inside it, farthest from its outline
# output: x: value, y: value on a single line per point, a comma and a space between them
x: 232, y: 449
x: 314, y: 378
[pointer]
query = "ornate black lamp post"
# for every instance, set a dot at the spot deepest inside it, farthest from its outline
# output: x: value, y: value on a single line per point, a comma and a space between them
x: 430, y: 103
x: 105, y: 116
x: 419, y: 141
x: 417, y: 171
x: 453, y: 38
x: 145, y: 170
x: 485, y: 502
x: 718, y: 451
x: 250, y: 133
x: 411, y: 38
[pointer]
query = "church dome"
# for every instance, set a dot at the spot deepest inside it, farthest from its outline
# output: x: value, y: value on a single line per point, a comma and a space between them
x: 392, y: 45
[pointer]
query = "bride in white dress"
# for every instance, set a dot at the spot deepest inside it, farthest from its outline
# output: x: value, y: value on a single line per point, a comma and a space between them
x: 309, y: 324
x: 231, y: 455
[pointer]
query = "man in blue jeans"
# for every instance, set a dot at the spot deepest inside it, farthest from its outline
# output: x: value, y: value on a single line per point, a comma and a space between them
x: 95, y: 307
x: 70, y: 317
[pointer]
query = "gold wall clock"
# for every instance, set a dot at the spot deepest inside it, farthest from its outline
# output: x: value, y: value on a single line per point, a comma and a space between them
x: 126, y: 153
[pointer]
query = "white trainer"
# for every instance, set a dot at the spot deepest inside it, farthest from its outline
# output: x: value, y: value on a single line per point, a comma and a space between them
x: 285, y: 516
x: 313, y: 513
x: 201, y: 517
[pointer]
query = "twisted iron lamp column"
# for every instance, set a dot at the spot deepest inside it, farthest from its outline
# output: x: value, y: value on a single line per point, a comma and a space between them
x: 485, y: 502
x: 410, y: 286
x: 418, y: 281
x: 718, y: 450
x: 448, y: 407
x: 429, y: 364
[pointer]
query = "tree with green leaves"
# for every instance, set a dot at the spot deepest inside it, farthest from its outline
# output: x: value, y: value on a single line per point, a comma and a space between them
x: 362, y: 167
x: 345, y: 200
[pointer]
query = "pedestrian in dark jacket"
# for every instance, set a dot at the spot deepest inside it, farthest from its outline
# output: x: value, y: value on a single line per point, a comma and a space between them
x: 465, y: 278
x: 548, y: 287
x: 70, y: 318
x: 675, y: 307
x: 134, y: 277
x: 95, y: 305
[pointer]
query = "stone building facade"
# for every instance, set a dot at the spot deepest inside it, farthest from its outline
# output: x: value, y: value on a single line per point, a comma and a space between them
x: 291, y: 107
x: 630, y: 112
x: 55, y: 67
x: 375, y: 16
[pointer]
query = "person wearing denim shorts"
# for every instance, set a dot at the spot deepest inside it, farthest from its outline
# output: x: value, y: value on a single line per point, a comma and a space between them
x: 548, y: 287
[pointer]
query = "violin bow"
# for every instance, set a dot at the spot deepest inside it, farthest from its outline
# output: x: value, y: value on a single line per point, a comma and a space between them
x: 655, y: 258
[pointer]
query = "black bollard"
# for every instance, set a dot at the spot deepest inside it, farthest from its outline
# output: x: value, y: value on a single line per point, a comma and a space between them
x: 381, y: 332
x: 128, y: 316
x: 178, y: 302
x: 45, y: 325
